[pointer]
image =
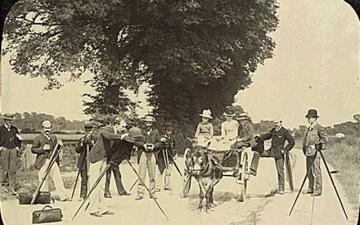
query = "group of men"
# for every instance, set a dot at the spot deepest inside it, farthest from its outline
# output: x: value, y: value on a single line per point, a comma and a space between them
x: 107, y: 143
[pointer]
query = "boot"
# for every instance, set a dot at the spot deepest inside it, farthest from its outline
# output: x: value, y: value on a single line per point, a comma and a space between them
x: 107, y: 195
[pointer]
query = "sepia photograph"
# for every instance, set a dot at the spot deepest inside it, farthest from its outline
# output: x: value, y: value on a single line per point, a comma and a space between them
x: 180, y: 112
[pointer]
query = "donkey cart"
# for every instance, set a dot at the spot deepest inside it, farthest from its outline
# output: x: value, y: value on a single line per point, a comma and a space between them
x: 235, y: 163
x: 231, y: 161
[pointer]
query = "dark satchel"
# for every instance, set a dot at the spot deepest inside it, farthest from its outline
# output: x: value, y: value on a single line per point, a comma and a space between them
x: 42, y: 198
x: 47, y: 215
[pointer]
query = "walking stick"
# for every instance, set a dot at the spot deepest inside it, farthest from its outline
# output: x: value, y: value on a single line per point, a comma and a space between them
x: 133, y: 185
x: 53, y: 158
x: 92, y: 189
x: 148, y: 190
x: 333, y: 184
x: 289, y: 171
x: 302, y: 185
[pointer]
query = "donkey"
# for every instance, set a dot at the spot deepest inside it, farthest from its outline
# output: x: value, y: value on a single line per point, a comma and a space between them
x: 206, y: 170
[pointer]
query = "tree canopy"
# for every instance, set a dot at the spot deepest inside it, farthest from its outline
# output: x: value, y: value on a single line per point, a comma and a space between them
x: 194, y: 54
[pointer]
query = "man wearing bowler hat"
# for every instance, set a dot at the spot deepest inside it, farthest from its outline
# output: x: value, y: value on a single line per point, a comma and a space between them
x: 314, y: 139
x: 10, y: 143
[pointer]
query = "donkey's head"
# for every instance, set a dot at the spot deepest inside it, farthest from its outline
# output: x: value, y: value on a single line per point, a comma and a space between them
x: 196, y: 161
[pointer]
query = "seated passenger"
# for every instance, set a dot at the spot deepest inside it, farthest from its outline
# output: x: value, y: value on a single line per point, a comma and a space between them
x: 204, y: 131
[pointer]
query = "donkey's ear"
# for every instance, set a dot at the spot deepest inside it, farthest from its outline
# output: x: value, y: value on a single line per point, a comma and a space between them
x: 187, y: 153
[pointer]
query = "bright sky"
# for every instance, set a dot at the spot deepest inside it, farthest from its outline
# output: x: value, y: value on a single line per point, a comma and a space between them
x: 315, y: 64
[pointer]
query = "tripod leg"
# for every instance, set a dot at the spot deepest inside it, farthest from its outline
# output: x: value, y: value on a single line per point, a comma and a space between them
x: 148, y: 190
x: 133, y: 185
x: 302, y: 185
x: 92, y: 189
x: 76, y: 181
x: 333, y: 184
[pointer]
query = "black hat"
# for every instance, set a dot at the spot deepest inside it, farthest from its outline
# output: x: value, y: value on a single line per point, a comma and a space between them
x: 312, y: 113
x: 229, y: 112
x: 168, y: 126
x: 88, y: 125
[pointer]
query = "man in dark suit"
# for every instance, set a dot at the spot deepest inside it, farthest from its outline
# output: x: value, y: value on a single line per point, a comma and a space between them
x: 83, y: 148
x: 278, y: 135
x: 10, y: 143
x: 43, y: 146
x: 147, y: 148
x: 120, y: 150
x: 165, y: 158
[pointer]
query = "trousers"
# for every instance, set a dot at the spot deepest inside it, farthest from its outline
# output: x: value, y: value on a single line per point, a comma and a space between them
x: 8, y: 164
x: 117, y: 175
x: 314, y: 175
x: 279, y: 163
x: 164, y: 178
x: 55, y: 175
x: 147, y: 164
x: 96, y: 199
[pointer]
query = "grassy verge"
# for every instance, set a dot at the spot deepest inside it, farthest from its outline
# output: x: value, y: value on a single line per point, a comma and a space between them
x: 344, y: 156
x: 27, y: 179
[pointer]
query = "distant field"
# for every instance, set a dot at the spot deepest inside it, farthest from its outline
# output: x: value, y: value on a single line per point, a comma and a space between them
x: 64, y: 137
x: 345, y: 156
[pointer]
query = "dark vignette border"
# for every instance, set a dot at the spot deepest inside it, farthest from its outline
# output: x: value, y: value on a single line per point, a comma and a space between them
x: 5, y: 6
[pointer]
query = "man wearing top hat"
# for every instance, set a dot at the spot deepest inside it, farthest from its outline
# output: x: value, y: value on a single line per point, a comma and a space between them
x: 147, y: 148
x: 278, y: 135
x: 314, y: 139
x: 83, y: 148
x: 10, y: 143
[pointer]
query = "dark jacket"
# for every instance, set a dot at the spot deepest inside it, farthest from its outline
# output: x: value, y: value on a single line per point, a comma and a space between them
x: 81, y: 148
x: 278, y: 139
x: 246, y: 132
x: 169, y: 148
x: 38, y: 149
x: 8, y: 139
x: 102, y: 147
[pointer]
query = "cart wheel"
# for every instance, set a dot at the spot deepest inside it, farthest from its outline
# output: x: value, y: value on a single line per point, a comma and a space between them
x: 244, y: 177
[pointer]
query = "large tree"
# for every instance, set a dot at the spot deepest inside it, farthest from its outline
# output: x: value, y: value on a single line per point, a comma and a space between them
x: 195, y: 54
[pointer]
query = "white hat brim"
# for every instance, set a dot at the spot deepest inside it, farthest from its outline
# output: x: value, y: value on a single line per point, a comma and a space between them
x: 206, y: 116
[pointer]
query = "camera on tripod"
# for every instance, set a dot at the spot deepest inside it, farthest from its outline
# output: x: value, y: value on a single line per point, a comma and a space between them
x: 320, y: 146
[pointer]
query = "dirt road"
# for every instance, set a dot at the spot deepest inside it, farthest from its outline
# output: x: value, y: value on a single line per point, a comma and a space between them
x: 260, y: 207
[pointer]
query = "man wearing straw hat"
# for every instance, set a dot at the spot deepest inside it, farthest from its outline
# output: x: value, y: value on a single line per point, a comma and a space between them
x: 148, y: 145
x: 10, y: 143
